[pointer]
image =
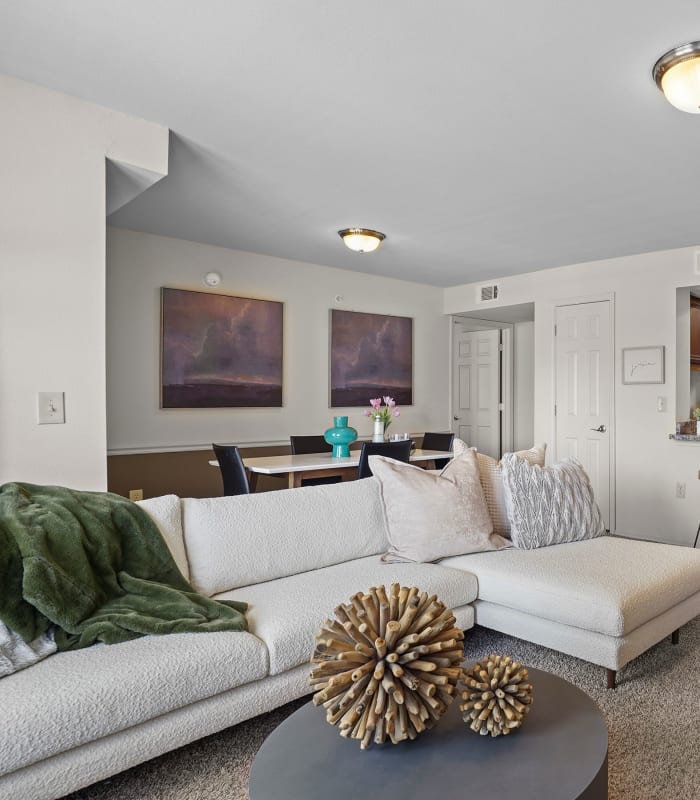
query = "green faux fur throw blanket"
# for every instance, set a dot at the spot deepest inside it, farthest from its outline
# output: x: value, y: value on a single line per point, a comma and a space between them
x: 94, y: 565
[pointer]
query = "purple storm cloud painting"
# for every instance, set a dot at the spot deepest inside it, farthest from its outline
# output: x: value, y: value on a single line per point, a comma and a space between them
x: 220, y: 351
x: 371, y: 356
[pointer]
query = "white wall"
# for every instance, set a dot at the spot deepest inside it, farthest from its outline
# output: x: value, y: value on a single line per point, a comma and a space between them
x: 52, y: 267
x: 139, y: 264
x: 648, y: 464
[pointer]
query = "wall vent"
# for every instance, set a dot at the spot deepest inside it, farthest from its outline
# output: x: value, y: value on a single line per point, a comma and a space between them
x: 487, y: 293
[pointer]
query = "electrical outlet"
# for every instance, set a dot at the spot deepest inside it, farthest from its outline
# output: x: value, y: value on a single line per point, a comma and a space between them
x: 680, y: 490
x: 137, y: 494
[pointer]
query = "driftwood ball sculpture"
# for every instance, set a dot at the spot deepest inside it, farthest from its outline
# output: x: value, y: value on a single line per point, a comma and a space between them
x: 496, y: 696
x: 388, y: 665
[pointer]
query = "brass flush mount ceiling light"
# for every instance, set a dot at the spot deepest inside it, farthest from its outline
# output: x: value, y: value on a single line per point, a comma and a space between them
x: 361, y: 240
x: 677, y: 74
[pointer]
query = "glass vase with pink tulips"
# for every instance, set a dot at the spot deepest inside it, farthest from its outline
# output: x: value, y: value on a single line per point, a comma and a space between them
x: 382, y: 411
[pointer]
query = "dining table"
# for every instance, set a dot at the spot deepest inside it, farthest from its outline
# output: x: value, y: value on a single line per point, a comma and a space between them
x: 316, y: 465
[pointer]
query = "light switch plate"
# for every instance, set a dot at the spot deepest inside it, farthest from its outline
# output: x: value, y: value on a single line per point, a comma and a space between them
x: 51, y: 408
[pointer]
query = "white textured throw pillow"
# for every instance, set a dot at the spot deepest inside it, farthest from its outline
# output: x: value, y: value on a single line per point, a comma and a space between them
x: 491, y: 477
x: 549, y: 505
x: 434, y: 515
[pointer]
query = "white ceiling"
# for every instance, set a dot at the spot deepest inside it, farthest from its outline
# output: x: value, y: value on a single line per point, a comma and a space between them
x: 484, y: 139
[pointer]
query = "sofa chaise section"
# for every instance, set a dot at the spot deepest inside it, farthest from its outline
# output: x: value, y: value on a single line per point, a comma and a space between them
x: 605, y: 600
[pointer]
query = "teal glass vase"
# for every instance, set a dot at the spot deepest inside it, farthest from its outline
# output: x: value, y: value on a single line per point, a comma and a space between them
x: 341, y: 437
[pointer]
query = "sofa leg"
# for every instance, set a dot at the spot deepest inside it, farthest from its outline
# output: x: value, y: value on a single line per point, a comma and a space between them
x: 675, y: 636
x: 611, y: 675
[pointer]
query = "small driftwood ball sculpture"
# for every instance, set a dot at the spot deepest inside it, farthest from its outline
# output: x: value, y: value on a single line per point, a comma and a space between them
x: 496, y: 696
x: 388, y: 665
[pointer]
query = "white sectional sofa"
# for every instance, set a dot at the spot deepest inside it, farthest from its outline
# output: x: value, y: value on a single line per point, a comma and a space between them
x: 80, y: 716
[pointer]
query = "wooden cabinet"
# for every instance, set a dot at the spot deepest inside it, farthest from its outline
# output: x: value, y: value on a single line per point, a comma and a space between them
x: 694, y: 332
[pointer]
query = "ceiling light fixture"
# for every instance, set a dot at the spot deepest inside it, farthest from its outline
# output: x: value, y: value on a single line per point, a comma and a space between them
x: 361, y: 240
x: 677, y: 74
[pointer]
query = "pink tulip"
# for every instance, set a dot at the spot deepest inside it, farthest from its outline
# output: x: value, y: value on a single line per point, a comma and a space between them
x: 389, y: 401
x: 396, y: 412
x: 376, y: 402
x: 367, y: 412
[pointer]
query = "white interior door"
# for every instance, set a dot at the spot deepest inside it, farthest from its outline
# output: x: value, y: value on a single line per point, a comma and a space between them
x: 583, y: 410
x: 475, y: 390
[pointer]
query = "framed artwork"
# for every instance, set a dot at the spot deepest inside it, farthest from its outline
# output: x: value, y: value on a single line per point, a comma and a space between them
x: 219, y: 351
x: 371, y: 356
x: 643, y: 364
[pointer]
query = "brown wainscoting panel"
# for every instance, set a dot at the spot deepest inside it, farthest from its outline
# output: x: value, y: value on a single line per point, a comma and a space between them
x: 185, y: 473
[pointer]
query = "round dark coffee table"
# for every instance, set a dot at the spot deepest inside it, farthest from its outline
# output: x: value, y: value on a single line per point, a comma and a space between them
x: 560, y: 753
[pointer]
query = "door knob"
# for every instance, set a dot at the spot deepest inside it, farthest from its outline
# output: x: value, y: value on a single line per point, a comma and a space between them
x: 599, y: 429
x: 456, y: 418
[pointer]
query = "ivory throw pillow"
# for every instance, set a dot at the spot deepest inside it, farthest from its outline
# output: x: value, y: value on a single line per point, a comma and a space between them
x: 491, y: 477
x: 549, y: 505
x: 431, y: 516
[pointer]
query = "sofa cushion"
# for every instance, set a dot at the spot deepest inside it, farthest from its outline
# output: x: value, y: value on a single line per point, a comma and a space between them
x: 246, y: 539
x: 166, y: 512
x: 549, y: 505
x: 609, y: 585
x: 431, y: 516
x: 77, y: 696
x: 287, y: 613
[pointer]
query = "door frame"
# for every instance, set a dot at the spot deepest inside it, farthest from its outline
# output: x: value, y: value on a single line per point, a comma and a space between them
x: 612, y: 428
x: 505, y: 376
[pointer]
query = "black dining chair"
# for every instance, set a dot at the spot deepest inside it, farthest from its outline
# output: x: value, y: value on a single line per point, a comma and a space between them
x: 312, y: 444
x: 401, y: 451
x: 438, y: 441
x: 232, y: 470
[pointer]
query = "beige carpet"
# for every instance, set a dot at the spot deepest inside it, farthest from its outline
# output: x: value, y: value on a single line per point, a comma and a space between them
x: 652, y: 720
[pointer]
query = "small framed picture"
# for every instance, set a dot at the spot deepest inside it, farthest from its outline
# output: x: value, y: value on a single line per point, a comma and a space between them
x: 643, y: 364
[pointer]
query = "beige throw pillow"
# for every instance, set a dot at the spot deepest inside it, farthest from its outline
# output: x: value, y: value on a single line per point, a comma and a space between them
x: 491, y: 476
x: 431, y: 516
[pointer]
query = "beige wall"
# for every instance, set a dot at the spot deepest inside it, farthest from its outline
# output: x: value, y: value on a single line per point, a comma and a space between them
x: 139, y: 264
x: 52, y: 261
x: 647, y: 464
